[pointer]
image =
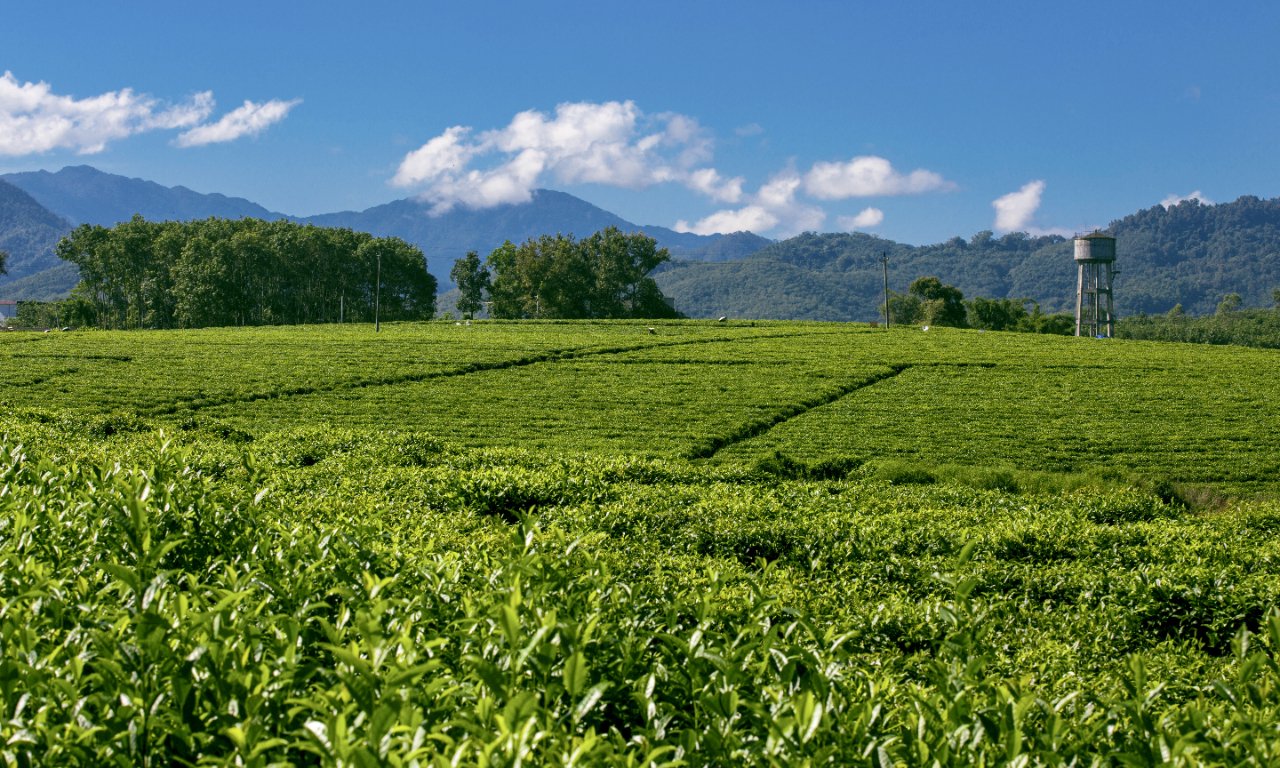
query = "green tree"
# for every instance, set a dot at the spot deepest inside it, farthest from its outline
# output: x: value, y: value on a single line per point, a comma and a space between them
x: 996, y: 314
x: 1275, y: 297
x: 1230, y: 303
x: 602, y: 276
x: 940, y: 304
x: 4, y: 258
x: 904, y: 309
x: 472, y: 279
x: 408, y: 290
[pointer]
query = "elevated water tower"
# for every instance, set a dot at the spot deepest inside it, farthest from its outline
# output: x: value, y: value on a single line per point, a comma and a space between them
x: 1095, y: 301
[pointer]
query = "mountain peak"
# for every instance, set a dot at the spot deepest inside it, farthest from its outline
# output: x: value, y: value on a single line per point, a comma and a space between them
x: 87, y: 195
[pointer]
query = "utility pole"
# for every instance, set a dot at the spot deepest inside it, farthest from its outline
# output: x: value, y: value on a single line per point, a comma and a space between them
x: 377, y: 297
x: 884, y: 261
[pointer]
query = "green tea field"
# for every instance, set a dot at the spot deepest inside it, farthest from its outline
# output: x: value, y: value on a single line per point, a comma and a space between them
x: 612, y: 543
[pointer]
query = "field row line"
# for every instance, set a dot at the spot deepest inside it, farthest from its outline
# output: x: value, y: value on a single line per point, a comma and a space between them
x: 463, y: 370
x: 706, y: 449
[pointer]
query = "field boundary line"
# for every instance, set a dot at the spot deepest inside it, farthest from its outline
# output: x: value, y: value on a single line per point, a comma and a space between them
x: 706, y: 449
x: 552, y: 356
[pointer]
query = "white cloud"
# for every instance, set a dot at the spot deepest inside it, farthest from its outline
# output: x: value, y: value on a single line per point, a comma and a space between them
x: 249, y: 119
x: 1173, y: 200
x: 869, y: 176
x: 1014, y: 210
x: 442, y: 155
x: 865, y: 219
x: 34, y: 119
x: 773, y: 206
x: 751, y: 218
x: 615, y: 143
x: 612, y: 143
x: 709, y: 182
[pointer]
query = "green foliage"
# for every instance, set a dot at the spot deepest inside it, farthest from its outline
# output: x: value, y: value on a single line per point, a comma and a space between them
x: 1230, y: 303
x: 244, y: 272
x: 733, y: 393
x: 602, y: 276
x: 482, y: 545
x: 1245, y: 327
x: 997, y: 314
x: 930, y: 302
x: 365, y: 609
x: 472, y: 279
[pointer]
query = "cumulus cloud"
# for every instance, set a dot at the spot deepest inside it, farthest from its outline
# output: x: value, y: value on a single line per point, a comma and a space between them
x: 1014, y: 210
x: 1173, y: 200
x: 709, y: 182
x: 613, y: 143
x: 249, y: 119
x: 869, y: 176
x: 34, y: 119
x: 774, y: 205
x: 865, y: 219
x: 616, y: 143
x: 750, y: 218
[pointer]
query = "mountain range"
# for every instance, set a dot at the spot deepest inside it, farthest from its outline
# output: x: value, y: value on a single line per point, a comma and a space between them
x: 86, y: 195
x: 1190, y: 254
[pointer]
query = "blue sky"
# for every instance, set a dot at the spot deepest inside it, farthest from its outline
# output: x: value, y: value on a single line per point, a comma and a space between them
x: 916, y: 121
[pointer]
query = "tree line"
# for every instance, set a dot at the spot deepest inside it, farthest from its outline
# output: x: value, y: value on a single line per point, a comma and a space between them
x: 605, y: 275
x: 214, y: 272
x: 930, y: 301
x: 1232, y: 323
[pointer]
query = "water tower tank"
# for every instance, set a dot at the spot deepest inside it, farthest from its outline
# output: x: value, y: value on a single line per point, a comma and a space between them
x: 1095, y: 247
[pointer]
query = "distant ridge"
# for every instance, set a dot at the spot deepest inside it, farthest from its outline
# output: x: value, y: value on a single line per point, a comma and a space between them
x: 86, y: 195
x: 28, y: 233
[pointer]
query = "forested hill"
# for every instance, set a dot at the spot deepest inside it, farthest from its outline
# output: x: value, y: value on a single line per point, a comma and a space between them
x: 1189, y: 254
x: 28, y: 233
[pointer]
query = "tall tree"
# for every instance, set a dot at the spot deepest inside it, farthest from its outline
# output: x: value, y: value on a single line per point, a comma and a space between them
x: 602, y: 276
x: 940, y: 304
x: 472, y: 279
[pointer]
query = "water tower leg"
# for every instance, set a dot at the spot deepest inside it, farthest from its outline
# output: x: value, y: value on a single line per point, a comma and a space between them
x: 1079, y: 296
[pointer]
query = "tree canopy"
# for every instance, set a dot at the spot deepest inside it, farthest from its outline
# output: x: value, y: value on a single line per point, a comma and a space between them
x: 601, y: 276
x: 930, y: 301
x: 244, y: 272
x: 472, y: 279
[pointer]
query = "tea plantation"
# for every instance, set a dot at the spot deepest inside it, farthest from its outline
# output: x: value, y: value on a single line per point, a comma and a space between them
x: 610, y: 544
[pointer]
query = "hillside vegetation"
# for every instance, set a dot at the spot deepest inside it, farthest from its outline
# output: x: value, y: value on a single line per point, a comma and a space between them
x: 1189, y: 254
x: 584, y: 543
x: 28, y: 233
